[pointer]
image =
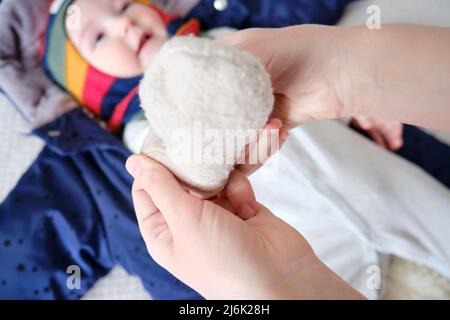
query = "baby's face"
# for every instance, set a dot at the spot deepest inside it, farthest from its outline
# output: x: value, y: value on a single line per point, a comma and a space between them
x: 118, y: 37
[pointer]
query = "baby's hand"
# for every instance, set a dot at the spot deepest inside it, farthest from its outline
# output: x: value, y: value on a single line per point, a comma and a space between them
x: 386, y: 133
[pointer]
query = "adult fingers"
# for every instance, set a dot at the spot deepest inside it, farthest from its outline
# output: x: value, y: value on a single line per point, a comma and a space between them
x: 153, y: 227
x: 175, y: 204
x: 241, y: 196
x: 269, y: 142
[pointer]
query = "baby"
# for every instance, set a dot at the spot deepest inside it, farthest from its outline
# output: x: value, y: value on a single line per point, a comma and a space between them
x: 97, y: 50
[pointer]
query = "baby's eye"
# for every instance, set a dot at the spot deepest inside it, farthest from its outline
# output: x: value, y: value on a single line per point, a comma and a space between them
x: 125, y: 7
x: 99, y: 38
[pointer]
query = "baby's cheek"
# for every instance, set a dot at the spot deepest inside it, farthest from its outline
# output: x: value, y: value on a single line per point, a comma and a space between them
x: 150, y: 51
x: 117, y: 61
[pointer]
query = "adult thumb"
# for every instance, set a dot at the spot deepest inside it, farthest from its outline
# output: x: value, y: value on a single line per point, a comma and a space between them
x: 163, y: 188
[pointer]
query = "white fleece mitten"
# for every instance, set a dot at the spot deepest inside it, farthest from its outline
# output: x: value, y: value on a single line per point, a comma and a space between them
x: 202, y: 99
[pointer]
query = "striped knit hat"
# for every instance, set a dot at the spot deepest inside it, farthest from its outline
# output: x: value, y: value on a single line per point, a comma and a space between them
x: 112, y: 99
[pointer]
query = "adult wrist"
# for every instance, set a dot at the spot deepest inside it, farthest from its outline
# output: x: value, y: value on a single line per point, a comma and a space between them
x: 340, y: 51
x: 357, y: 85
x: 315, y: 281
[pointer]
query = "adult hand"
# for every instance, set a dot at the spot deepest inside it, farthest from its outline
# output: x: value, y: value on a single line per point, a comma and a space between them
x: 306, y: 78
x: 321, y: 72
x: 228, y: 248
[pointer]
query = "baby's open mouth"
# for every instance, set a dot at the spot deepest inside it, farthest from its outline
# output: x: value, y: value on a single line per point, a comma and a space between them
x: 144, y: 40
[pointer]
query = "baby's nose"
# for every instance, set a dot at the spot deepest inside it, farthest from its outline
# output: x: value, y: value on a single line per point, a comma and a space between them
x: 129, y: 31
x: 134, y: 36
x: 126, y: 26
